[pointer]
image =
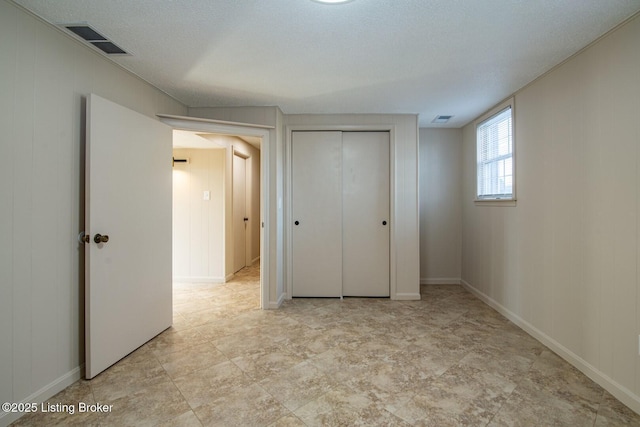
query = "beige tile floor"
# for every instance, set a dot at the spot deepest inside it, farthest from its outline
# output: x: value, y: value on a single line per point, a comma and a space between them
x: 446, y: 360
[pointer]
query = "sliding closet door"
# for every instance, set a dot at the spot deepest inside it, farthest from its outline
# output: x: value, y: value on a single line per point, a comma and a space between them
x: 365, y: 221
x: 316, y: 181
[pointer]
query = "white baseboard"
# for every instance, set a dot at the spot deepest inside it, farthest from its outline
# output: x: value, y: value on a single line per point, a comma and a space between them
x: 44, y: 394
x: 276, y: 304
x: 440, y: 281
x: 619, y: 391
x: 406, y: 296
x: 198, y: 279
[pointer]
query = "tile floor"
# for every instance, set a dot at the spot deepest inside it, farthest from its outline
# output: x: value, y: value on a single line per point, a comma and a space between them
x: 447, y: 360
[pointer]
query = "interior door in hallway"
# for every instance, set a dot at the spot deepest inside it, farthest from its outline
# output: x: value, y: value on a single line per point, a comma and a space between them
x: 239, y: 212
x: 365, y: 214
x: 316, y: 241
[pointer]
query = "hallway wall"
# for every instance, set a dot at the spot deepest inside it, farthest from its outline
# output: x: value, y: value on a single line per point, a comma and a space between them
x: 198, y: 224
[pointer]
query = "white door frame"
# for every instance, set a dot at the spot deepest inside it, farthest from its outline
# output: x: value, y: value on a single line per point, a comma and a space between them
x: 246, y: 129
x: 392, y: 193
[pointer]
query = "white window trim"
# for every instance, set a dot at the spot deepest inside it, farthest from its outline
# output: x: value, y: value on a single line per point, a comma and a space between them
x: 495, y: 110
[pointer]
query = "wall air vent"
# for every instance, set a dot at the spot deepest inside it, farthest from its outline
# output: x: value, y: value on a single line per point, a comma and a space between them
x: 441, y: 119
x: 94, y: 38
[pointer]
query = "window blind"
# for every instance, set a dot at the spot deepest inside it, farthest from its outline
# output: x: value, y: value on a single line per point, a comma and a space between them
x: 495, y: 157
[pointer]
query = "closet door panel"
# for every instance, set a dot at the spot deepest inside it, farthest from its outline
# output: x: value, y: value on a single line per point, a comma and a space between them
x: 365, y: 241
x: 316, y: 243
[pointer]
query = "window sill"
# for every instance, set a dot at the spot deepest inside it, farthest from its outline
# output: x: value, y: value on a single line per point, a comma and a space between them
x: 495, y: 202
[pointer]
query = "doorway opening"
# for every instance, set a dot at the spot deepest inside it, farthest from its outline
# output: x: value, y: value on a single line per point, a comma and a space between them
x: 216, y: 213
x: 260, y: 136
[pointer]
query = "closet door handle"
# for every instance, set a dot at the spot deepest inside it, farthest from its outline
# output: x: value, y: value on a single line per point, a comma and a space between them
x: 384, y: 222
x: 297, y: 223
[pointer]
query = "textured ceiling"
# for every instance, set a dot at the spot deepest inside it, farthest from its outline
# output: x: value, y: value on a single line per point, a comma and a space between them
x: 429, y: 57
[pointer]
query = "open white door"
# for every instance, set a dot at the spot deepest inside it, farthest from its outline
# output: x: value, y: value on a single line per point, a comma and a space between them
x: 128, y: 278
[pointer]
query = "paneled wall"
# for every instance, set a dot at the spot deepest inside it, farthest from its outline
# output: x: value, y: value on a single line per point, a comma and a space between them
x: 198, y: 224
x: 440, y: 205
x: 44, y: 77
x: 564, y: 263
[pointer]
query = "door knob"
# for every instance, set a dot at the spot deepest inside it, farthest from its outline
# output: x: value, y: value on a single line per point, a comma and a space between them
x: 384, y: 222
x: 297, y: 223
x: 246, y: 219
x: 99, y: 238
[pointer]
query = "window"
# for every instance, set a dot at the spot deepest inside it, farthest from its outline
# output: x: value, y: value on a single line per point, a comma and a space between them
x: 495, y: 166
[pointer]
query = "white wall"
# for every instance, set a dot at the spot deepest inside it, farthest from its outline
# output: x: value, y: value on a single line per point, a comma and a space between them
x: 440, y: 205
x: 45, y: 76
x: 405, y: 221
x: 198, y: 224
x: 564, y: 263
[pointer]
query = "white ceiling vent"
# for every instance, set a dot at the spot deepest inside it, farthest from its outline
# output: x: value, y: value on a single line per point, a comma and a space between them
x: 94, y: 38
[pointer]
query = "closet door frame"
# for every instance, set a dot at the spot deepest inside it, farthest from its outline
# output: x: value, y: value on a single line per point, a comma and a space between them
x: 288, y: 219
